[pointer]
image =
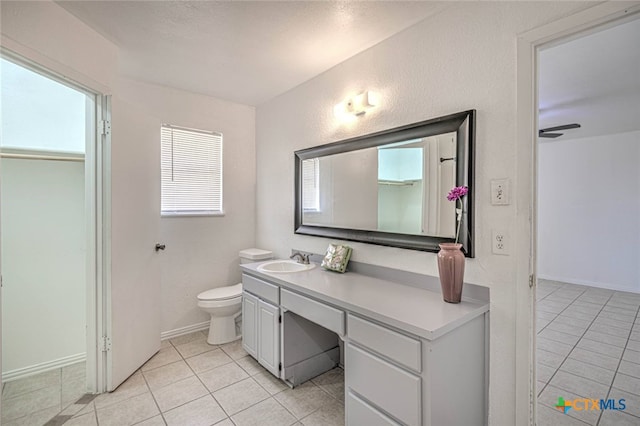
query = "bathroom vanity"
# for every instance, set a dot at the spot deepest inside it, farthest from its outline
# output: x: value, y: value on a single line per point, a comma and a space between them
x: 409, y: 357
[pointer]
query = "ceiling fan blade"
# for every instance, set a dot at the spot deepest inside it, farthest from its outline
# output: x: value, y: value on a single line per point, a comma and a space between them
x: 563, y: 127
x: 542, y: 134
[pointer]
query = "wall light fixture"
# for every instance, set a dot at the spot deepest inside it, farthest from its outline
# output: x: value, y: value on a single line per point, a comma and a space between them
x: 356, y: 105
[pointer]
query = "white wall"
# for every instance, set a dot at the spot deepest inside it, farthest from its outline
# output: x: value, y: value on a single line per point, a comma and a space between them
x: 589, y: 211
x: 462, y: 58
x: 43, y: 262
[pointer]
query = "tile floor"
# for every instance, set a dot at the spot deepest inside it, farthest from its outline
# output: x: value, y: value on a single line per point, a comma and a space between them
x: 588, y: 345
x: 190, y: 382
x: 35, y: 399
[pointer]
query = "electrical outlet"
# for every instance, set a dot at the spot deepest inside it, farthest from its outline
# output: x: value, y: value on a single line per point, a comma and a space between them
x: 500, y: 192
x: 500, y: 242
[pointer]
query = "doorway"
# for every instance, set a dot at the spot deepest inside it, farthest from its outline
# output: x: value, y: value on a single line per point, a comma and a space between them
x: 587, y: 326
x: 49, y: 246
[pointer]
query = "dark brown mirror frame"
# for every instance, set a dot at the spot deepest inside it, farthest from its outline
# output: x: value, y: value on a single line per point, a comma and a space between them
x: 463, y: 123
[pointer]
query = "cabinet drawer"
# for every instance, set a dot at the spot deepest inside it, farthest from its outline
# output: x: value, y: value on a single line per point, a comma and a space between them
x: 389, y: 387
x: 261, y: 288
x: 398, y: 347
x: 361, y: 413
x: 324, y: 315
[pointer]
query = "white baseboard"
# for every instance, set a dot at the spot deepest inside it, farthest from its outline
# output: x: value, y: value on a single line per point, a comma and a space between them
x: 184, y: 330
x: 589, y: 283
x: 21, y: 373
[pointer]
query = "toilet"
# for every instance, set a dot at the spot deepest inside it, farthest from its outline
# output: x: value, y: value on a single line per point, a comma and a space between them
x: 224, y: 304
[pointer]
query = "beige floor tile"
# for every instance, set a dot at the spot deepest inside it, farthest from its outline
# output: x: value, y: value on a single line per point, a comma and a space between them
x: 167, y: 374
x: 234, y: 349
x: 240, y: 396
x: 153, y: 421
x: 208, y: 360
x: 332, y: 382
x: 31, y: 383
x: 72, y: 390
x: 250, y: 365
x: 163, y: 357
x: 618, y: 418
x: 36, y: 418
x: 84, y: 420
x: 89, y: 408
x: 204, y: 411
x: 225, y: 422
x: 329, y: 415
x: 178, y: 393
x: 181, y: 340
x: 266, y: 413
x: 223, y: 376
x: 74, y: 371
x: 32, y: 402
x: 271, y: 383
x: 195, y: 347
x: 128, y: 412
x: 134, y: 385
x: 72, y: 409
x: 304, y: 399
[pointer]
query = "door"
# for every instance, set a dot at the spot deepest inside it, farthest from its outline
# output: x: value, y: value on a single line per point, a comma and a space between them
x: 269, y: 337
x: 133, y: 289
x: 249, y: 324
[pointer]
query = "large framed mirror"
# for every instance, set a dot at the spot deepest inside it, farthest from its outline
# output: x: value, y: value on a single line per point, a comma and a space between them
x: 390, y: 187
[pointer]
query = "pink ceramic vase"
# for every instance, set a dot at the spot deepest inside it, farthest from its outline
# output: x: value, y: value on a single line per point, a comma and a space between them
x: 451, y: 269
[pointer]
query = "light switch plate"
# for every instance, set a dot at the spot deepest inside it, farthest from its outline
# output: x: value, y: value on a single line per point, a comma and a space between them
x: 499, y: 192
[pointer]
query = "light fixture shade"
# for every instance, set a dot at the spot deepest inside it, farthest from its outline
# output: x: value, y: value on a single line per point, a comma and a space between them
x: 356, y: 105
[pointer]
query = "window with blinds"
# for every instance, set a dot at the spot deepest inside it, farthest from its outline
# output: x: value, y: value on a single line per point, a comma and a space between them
x: 191, y: 166
x: 311, y: 185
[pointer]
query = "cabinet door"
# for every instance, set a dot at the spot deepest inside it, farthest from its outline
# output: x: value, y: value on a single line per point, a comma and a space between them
x: 269, y: 337
x: 250, y: 324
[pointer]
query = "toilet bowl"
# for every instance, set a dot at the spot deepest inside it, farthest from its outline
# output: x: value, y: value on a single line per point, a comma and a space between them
x: 224, y: 304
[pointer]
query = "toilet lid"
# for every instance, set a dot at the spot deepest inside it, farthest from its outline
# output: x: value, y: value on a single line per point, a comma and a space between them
x: 222, y: 293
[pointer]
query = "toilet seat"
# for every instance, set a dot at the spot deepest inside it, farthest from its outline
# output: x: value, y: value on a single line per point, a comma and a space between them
x: 221, y: 293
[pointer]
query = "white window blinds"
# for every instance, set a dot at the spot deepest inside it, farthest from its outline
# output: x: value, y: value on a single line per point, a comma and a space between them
x: 191, y: 166
x: 310, y: 184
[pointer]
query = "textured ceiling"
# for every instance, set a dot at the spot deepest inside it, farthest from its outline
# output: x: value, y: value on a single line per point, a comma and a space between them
x: 247, y: 52
x: 592, y: 80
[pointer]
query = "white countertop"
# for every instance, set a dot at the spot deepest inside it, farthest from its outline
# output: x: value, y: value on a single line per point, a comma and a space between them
x: 414, y: 310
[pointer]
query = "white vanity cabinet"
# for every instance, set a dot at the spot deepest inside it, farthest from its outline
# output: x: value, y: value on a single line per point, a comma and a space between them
x: 415, y: 362
x: 392, y: 378
x: 261, y: 322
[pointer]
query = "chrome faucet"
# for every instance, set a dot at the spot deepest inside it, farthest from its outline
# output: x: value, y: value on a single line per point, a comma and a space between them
x: 302, y: 258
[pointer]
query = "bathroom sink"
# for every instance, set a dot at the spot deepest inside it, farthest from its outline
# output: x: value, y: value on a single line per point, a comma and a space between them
x: 284, y: 266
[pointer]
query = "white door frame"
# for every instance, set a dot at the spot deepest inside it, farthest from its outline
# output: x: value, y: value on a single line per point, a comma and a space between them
x: 528, y: 45
x: 97, y: 177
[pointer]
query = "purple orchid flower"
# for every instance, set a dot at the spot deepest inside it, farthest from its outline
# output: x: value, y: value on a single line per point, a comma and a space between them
x: 456, y: 194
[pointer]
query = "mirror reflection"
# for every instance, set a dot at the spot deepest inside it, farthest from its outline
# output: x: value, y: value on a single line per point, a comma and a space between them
x: 390, y: 187
x: 399, y: 187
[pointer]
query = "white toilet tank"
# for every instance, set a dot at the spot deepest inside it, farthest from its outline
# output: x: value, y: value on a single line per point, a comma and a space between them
x: 254, y: 255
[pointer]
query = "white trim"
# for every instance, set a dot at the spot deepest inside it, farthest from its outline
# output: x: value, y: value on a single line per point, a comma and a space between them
x: 21, y: 373
x: 165, y: 335
x: 35, y: 61
x: 528, y: 45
